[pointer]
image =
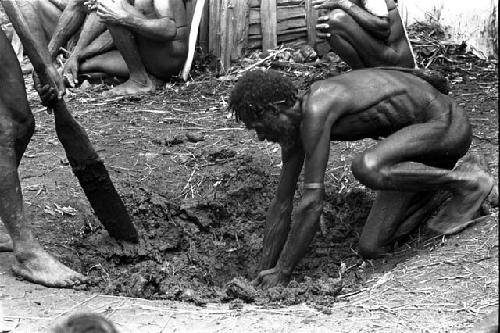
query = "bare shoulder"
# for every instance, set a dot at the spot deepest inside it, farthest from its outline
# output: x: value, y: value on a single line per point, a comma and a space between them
x: 324, y: 92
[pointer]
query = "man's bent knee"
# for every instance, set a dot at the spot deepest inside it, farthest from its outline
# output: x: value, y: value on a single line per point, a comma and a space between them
x: 366, y: 169
x: 339, y: 19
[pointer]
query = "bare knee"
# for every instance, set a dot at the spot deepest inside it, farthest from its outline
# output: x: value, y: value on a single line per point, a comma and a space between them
x: 367, y: 169
x: 7, y: 135
x: 339, y: 20
x: 25, y: 132
x: 16, y: 133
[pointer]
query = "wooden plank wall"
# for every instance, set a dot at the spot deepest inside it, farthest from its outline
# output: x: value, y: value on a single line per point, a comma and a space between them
x: 269, y: 24
x: 295, y: 21
x: 228, y: 30
x: 236, y: 26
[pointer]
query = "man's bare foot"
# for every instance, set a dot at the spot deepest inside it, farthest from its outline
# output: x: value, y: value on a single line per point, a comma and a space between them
x: 463, y: 208
x: 421, y: 208
x: 36, y: 265
x: 5, y: 243
x: 132, y: 87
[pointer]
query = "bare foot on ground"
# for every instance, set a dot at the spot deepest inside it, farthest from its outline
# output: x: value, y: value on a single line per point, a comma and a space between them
x: 132, y: 87
x: 38, y: 266
x: 463, y: 208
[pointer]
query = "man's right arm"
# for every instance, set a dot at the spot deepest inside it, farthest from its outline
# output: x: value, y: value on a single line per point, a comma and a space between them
x: 92, y: 28
x: 71, y: 19
x: 278, y: 218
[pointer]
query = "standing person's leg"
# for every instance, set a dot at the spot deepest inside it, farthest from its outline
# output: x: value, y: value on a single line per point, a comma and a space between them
x: 32, y: 262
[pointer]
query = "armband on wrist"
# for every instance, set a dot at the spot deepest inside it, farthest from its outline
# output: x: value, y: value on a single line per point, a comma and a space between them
x: 313, y: 186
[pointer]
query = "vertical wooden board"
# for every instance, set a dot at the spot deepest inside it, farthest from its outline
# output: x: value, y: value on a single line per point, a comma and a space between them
x: 190, y: 10
x: 223, y: 27
x: 311, y: 18
x: 240, y: 26
x: 269, y: 24
x: 230, y: 33
x: 214, y: 28
x: 204, y: 29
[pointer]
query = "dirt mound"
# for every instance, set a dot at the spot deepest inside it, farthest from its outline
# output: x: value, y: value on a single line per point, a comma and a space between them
x: 190, y: 251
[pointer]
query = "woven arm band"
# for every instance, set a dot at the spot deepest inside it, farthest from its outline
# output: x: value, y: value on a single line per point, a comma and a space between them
x: 313, y: 186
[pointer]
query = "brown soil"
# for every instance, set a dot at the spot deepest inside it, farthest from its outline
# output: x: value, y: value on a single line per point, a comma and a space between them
x: 197, y: 186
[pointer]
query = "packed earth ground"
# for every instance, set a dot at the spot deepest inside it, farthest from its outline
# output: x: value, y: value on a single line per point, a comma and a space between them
x: 197, y: 186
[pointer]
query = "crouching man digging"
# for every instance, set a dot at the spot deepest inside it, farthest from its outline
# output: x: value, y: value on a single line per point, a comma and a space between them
x: 425, y: 135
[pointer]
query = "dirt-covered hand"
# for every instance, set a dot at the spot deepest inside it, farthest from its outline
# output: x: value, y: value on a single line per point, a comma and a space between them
x: 271, y: 278
x: 70, y: 71
x: 51, y: 89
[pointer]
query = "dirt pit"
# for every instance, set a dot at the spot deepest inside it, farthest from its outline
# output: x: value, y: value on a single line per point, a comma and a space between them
x: 197, y: 186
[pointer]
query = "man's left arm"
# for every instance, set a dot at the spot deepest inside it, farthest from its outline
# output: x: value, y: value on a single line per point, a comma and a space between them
x: 70, y: 21
x: 162, y: 28
x: 316, y: 142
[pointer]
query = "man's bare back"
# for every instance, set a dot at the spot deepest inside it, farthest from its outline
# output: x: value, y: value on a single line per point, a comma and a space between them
x: 391, y: 101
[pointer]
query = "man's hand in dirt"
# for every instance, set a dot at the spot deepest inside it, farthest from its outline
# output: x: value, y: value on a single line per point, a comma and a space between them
x: 271, y: 278
x: 70, y: 71
x: 52, y: 90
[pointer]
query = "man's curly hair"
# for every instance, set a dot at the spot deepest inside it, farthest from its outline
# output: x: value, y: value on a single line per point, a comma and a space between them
x: 259, y: 92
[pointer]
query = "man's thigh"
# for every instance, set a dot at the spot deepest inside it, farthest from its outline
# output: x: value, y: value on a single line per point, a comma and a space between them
x: 13, y: 92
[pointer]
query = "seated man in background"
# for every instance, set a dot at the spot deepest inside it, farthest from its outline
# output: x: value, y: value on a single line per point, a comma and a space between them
x: 124, y: 38
x: 365, y: 33
x: 425, y: 133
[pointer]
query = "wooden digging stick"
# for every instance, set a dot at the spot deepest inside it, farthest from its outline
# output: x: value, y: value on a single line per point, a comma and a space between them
x: 86, y: 164
x: 193, y: 35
